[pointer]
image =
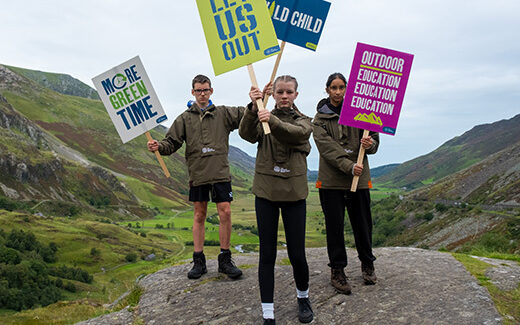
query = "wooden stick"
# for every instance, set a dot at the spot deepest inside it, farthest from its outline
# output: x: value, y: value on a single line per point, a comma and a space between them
x: 275, y: 69
x: 158, y: 155
x: 360, y: 157
x: 259, y: 102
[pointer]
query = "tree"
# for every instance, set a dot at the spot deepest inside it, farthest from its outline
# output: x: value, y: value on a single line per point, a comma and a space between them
x: 9, y: 255
x: 131, y: 258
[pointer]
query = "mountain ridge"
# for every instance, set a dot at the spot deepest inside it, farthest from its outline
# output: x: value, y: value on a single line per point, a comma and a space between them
x: 455, y: 154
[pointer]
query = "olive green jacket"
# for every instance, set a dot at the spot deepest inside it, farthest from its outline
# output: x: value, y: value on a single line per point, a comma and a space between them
x: 206, y: 134
x: 281, y: 159
x: 339, y: 147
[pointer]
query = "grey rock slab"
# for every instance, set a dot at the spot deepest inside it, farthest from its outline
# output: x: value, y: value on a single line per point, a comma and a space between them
x: 415, y: 286
x: 504, y: 274
x: 122, y: 317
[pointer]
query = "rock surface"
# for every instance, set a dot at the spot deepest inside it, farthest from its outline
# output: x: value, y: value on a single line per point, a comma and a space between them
x: 414, y: 286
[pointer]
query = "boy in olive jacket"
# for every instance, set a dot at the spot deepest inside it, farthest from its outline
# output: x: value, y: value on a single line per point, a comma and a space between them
x: 205, y: 129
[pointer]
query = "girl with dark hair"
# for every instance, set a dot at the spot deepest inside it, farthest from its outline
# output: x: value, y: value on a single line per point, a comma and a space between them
x: 280, y: 184
x: 339, y: 146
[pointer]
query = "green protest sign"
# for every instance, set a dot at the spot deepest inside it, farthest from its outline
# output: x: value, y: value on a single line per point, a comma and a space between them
x: 237, y: 32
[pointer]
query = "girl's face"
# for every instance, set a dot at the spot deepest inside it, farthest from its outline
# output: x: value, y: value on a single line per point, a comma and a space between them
x: 336, y: 91
x: 285, y: 94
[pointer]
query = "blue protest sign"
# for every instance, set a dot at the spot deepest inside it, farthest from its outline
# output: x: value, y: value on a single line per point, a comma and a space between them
x: 299, y: 22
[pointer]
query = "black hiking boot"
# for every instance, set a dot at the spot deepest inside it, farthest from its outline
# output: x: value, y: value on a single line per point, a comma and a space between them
x: 199, y: 266
x: 227, y: 266
x: 269, y: 321
x: 338, y: 279
x: 305, y: 314
x: 369, y: 274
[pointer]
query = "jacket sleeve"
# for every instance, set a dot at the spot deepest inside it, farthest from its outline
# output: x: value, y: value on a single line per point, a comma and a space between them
x: 330, y: 150
x: 249, y: 129
x: 375, y: 143
x: 174, y: 138
x: 233, y: 116
x: 291, y: 134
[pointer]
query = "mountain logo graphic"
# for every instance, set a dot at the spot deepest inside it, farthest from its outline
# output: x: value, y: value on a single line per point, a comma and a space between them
x: 372, y: 118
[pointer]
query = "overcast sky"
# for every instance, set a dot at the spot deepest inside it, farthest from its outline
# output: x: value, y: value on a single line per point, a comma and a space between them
x: 466, y: 69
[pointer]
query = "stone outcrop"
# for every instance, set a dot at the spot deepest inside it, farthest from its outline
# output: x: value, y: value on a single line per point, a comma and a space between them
x: 414, y: 286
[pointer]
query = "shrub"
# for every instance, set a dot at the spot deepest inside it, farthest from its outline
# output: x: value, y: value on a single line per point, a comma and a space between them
x: 213, y: 219
x: 71, y: 273
x: 131, y: 258
x: 9, y: 256
x: 69, y: 286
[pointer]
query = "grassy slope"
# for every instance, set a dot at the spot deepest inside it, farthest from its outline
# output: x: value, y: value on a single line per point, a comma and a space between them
x: 75, y: 239
x: 84, y: 125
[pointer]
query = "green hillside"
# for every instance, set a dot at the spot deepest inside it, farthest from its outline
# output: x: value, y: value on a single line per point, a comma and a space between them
x: 493, y: 181
x: 58, y: 82
x: 82, y: 124
x: 456, y: 154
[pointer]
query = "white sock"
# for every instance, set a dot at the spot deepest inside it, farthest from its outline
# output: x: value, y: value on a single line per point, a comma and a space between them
x: 268, y: 310
x: 302, y: 294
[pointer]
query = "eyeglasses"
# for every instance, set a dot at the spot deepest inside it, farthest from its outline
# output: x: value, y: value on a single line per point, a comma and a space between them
x: 205, y: 90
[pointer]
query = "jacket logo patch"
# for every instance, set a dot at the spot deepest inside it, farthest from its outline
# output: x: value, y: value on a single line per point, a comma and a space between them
x: 349, y: 151
x: 278, y: 169
x: 206, y: 150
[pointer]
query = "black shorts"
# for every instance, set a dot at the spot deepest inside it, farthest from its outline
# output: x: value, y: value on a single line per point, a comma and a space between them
x: 220, y: 192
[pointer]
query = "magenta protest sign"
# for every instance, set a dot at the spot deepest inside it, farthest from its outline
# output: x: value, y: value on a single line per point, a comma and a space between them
x: 376, y: 88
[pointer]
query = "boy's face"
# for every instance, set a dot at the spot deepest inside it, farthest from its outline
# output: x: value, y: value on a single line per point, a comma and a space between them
x: 202, y: 92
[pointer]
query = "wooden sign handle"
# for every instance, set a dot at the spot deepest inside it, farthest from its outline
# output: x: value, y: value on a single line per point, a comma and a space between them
x: 275, y: 69
x: 360, y: 157
x: 158, y: 155
x: 259, y: 102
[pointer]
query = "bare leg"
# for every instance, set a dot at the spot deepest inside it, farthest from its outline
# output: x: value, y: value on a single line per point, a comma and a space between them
x: 199, y: 218
x: 224, y: 213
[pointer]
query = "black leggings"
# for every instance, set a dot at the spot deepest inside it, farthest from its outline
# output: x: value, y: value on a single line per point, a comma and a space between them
x: 293, y: 216
x: 333, y: 203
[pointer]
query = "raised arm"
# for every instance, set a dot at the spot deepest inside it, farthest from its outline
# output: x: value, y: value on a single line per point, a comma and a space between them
x: 291, y: 134
x: 249, y: 128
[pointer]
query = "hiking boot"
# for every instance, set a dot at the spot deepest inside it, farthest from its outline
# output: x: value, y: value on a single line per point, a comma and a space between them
x: 369, y: 274
x: 269, y: 321
x: 305, y: 314
x: 339, y: 281
x: 227, y: 266
x: 199, y: 266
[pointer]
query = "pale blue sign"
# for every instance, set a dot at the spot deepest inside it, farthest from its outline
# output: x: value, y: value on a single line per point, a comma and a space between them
x: 299, y: 22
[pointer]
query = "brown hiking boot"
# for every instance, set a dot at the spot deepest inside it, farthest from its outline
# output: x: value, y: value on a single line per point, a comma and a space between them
x: 369, y: 274
x: 338, y: 279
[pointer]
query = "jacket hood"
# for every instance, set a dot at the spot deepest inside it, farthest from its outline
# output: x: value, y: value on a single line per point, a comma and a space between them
x: 193, y: 107
x: 323, y: 107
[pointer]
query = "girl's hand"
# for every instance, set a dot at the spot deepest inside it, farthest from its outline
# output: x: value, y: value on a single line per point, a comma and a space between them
x: 367, y: 142
x: 264, y: 115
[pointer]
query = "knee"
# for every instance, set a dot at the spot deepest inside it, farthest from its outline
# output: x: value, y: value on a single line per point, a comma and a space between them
x: 298, y: 260
x: 225, y: 214
x: 199, y: 218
